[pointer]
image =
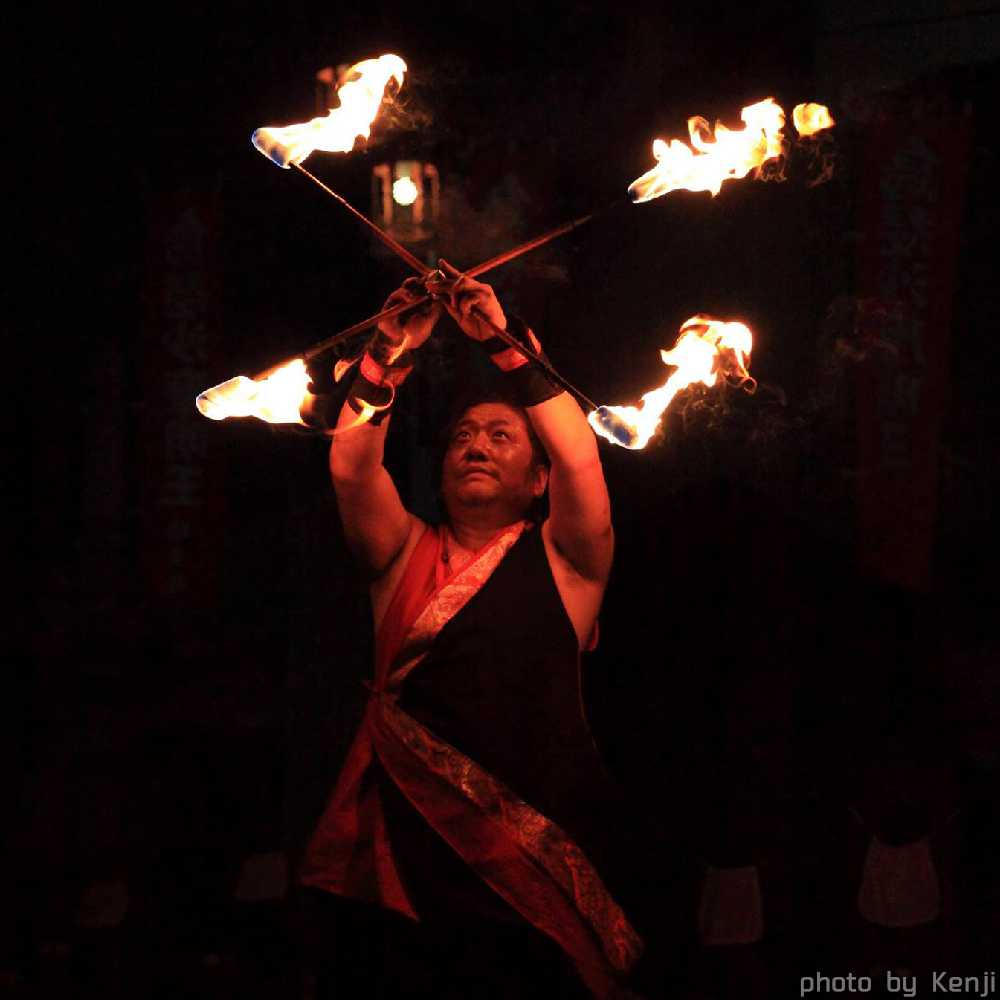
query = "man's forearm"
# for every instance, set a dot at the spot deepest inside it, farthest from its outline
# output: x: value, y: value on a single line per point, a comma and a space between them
x: 376, y: 525
x: 563, y: 430
x: 579, y: 506
x: 356, y: 456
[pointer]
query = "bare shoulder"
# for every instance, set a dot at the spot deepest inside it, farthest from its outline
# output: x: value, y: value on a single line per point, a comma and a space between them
x: 581, y: 597
x: 384, y: 586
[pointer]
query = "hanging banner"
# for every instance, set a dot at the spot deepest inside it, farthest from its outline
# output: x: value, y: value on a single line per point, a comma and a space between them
x: 911, y: 214
x: 183, y: 506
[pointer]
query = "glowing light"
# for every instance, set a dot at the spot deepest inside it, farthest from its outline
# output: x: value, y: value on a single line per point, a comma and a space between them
x: 404, y: 191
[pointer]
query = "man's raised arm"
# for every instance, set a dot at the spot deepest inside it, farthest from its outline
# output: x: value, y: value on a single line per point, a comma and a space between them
x: 376, y: 524
x: 579, y: 507
x: 580, y: 511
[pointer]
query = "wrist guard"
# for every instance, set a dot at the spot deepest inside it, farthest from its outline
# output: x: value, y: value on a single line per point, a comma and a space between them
x: 379, y: 374
x: 529, y: 382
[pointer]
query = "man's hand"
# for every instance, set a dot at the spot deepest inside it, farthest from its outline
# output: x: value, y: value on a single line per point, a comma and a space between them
x: 463, y: 297
x: 409, y: 329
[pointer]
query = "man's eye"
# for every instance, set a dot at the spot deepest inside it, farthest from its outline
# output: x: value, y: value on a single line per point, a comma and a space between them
x: 501, y: 434
x: 461, y: 436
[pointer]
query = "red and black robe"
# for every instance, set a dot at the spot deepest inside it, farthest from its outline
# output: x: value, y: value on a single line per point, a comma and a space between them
x: 476, y: 724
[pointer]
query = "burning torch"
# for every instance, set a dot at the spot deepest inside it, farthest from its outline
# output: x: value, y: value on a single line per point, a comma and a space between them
x: 706, y: 348
x: 281, y: 394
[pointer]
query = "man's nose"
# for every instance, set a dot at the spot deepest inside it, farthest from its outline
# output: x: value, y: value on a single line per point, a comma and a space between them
x: 477, y: 447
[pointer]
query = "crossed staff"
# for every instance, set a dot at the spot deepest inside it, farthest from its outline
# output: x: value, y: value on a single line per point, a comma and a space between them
x: 424, y: 271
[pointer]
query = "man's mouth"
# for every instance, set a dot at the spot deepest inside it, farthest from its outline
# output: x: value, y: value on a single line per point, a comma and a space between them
x: 478, y: 471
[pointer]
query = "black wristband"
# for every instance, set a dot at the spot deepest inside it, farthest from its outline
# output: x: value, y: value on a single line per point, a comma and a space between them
x: 519, y: 331
x: 528, y: 381
x: 375, y: 384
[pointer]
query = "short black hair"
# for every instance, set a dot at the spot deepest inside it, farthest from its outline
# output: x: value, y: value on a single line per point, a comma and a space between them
x: 476, y: 397
x: 464, y: 402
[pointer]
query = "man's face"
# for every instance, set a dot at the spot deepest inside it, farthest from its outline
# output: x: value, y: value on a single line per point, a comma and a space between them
x: 490, y: 462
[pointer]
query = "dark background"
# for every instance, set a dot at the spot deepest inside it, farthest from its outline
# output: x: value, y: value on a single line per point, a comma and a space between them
x: 189, y: 634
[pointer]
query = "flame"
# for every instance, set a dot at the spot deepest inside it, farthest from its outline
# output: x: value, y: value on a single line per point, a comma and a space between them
x: 275, y: 399
x: 367, y: 412
x: 722, y: 155
x: 704, y: 348
x: 282, y: 397
x: 725, y: 154
x: 358, y: 420
x: 343, y: 366
x: 811, y: 118
x: 360, y: 98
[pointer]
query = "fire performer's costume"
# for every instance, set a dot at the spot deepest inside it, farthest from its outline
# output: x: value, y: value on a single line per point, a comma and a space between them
x: 474, y: 737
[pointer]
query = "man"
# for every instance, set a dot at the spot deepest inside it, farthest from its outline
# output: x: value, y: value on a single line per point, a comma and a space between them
x: 473, y: 794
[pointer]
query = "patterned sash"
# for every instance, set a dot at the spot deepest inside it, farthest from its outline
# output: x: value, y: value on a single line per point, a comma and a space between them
x: 521, y: 854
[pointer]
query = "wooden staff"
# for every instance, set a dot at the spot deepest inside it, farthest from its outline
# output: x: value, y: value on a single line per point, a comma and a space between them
x: 396, y: 247
x: 474, y: 272
x: 423, y: 270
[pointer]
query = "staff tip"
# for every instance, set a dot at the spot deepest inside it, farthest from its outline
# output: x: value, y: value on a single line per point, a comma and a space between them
x: 615, y: 427
x: 265, y: 141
